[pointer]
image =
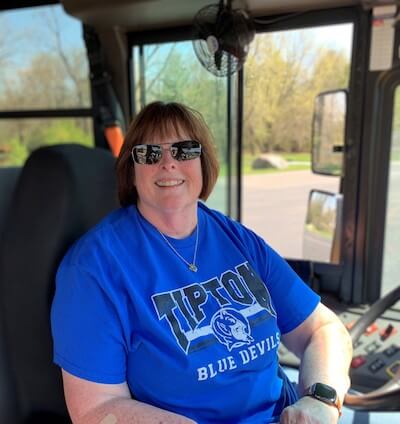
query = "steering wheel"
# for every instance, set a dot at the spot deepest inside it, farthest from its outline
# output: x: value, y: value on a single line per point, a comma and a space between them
x: 387, y: 397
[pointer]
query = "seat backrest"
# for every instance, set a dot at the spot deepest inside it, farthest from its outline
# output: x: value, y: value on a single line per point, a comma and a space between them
x: 62, y: 192
x: 8, y: 180
x: 8, y: 409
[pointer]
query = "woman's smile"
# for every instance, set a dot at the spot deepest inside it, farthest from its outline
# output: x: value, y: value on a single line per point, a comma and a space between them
x: 169, y: 182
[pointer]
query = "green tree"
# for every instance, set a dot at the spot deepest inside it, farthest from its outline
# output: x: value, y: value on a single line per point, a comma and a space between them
x: 173, y: 73
x: 331, y: 70
x: 283, y: 74
x: 44, y: 84
x: 58, y: 131
x: 56, y: 78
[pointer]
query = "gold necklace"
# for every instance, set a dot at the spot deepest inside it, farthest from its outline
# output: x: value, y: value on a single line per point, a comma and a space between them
x: 192, y: 266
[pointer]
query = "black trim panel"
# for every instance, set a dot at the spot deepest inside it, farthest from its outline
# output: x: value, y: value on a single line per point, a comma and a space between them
x: 58, y: 113
x: 10, y: 4
x: 377, y: 189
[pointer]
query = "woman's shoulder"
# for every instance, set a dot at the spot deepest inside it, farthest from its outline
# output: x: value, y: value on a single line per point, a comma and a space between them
x: 214, y: 214
x: 216, y: 217
x: 96, y: 239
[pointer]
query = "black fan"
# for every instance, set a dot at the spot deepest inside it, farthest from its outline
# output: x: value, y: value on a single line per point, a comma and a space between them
x: 222, y: 38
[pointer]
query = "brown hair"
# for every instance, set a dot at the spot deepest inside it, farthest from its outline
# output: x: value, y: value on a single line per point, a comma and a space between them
x: 159, y: 120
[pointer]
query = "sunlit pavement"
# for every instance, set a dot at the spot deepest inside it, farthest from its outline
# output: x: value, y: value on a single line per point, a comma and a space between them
x: 275, y: 205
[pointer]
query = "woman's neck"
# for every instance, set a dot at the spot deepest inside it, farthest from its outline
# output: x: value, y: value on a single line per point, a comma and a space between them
x: 177, y: 223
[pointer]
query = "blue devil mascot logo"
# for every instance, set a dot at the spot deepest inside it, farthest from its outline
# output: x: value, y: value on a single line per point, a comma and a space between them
x: 231, y: 328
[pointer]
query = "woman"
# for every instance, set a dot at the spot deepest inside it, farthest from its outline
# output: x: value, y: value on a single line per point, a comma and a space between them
x: 170, y: 312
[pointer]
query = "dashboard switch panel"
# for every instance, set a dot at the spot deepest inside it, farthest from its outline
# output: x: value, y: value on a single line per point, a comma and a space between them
x: 391, y: 350
x: 376, y: 365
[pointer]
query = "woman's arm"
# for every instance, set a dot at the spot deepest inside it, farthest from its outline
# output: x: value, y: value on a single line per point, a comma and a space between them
x: 94, y: 403
x: 324, y: 347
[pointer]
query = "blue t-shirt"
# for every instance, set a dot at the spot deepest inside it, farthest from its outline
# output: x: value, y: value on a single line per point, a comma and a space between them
x: 202, y: 344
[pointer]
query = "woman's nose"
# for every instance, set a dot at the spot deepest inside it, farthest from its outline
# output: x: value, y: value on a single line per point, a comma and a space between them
x: 166, y: 159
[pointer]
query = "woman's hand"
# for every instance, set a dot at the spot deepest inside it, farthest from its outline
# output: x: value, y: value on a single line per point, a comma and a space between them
x: 308, y: 410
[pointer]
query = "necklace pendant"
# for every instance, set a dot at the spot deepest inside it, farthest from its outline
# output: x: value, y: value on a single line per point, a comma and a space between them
x: 193, y: 267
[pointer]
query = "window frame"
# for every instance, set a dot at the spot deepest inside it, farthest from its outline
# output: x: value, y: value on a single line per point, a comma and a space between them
x: 376, y: 195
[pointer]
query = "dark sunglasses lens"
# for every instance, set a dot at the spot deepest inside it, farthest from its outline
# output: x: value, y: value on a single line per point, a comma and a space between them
x: 147, y: 154
x: 186, y: 150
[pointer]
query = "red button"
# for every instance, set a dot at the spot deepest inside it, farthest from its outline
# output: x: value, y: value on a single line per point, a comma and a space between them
x: 357, y: 361
x: 371, y: 329
x: 387, y: 332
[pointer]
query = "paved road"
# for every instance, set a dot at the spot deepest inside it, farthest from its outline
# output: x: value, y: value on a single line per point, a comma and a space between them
x: 275, y: 205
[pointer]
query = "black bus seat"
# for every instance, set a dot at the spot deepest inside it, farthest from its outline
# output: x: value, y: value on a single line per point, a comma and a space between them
x: 8, y: 180
x: 62, y: 191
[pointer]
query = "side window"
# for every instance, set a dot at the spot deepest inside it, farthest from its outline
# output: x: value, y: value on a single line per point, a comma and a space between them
x: 391, y: 258
x: 43, y: 75
x: 171, y: 72
x: 284, y: 73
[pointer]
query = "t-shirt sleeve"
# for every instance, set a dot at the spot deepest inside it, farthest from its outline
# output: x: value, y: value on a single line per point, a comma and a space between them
x: 293, y: 300
x: 87, y: 334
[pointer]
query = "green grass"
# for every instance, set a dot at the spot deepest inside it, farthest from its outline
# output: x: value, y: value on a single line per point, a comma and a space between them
x: 326, y: 234
x: 395, y: 156
x: 300, y: 157
x: 302, y: 162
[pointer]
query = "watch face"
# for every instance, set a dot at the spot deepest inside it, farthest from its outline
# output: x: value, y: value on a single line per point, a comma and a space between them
x: 325, y: 392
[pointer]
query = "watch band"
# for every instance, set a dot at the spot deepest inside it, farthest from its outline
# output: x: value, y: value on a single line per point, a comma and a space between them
x: 326, y: 394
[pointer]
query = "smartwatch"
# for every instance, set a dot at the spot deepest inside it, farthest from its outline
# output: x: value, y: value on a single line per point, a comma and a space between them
x: 326, y: 394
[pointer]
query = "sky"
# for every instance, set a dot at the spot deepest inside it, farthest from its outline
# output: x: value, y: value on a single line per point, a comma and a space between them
x: 335, y: 39
x: 28, y: 29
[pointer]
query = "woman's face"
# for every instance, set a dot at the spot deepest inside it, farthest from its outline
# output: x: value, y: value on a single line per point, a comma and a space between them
x: 169, y: 185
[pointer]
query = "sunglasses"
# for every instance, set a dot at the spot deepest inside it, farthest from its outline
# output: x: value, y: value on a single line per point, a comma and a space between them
x: 149, y: 154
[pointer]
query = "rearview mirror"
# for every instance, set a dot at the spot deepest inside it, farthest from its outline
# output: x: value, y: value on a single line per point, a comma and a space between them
x: 321, y: 241
x: 328, y: 132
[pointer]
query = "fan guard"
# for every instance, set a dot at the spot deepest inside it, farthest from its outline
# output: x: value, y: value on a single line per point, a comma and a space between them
x: 222, y: 38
